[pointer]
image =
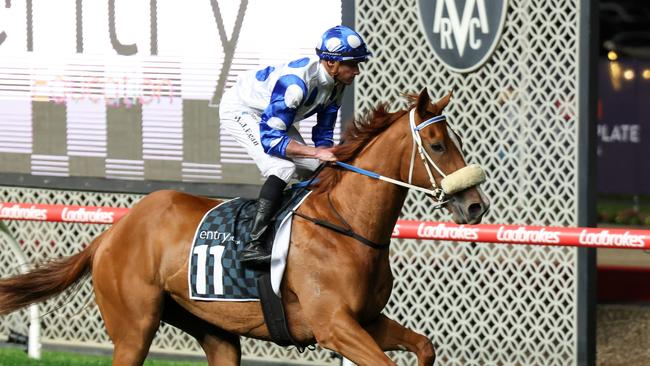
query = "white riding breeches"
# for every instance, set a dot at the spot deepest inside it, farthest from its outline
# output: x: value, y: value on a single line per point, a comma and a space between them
x: 243, y: 123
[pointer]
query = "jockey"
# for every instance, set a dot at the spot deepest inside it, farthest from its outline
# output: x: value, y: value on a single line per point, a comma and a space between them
x: 260, y: 110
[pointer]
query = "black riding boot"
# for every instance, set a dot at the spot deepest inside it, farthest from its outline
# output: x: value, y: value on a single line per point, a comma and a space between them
x: 256, y: 253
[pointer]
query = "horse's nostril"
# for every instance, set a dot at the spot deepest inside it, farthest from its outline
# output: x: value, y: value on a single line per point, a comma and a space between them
x: 475, y: 210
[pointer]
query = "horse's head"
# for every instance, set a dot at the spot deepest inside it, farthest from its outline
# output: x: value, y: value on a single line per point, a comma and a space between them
x: 437, y: 161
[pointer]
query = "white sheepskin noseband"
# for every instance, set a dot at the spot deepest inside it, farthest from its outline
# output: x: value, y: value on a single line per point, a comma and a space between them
x: 466, y: 177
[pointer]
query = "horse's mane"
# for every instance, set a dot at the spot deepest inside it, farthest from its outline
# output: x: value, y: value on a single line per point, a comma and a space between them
x: 356, y: 136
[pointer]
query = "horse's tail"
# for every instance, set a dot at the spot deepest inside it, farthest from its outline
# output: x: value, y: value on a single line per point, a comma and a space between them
x: 45, y: 280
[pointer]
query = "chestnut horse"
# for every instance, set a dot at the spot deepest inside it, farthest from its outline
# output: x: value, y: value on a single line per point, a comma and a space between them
x: 334, y: 287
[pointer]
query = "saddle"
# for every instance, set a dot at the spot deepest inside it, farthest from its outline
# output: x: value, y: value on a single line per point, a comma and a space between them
x: 215, y: 273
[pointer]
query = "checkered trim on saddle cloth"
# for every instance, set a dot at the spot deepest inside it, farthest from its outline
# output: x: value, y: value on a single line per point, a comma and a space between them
x: 215, y: 273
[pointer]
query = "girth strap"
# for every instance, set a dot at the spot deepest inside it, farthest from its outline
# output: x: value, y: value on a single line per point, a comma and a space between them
x: 345, y: 231
x: 274, y: 314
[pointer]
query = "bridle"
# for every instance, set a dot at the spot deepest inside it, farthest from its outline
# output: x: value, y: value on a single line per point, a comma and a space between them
x: 473, y: 173
x: 463, y: 178
x: 437, y: 192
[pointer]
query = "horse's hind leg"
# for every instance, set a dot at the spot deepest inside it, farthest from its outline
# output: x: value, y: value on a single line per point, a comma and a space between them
x: 221, y: 348
x: 131, y: 322
x: 131, y: 309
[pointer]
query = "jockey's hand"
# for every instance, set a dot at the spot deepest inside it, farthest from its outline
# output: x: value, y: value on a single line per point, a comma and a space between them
x: 297, y: 150
x: 325, y: 154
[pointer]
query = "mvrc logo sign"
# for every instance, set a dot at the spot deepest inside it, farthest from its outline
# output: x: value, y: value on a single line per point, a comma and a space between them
x: 463, y: 33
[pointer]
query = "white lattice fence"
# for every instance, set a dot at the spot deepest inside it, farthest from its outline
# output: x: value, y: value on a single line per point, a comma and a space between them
x: 485, y: 303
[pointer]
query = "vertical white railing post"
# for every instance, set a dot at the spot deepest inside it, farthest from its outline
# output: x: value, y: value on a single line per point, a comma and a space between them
x: 34, y: 338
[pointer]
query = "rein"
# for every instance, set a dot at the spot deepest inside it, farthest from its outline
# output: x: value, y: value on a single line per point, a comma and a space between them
x: 436, y: 192
x: 345, y: 230
x: 471, y: 176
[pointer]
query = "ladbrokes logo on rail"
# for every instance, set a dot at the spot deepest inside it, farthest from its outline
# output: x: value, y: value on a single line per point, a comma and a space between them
x: 80, y: 214
x: 16, y: 212
x: 606, y: 238
x: 463, y: 33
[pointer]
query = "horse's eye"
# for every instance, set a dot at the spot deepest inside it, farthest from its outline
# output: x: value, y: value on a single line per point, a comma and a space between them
x: 437, y: 147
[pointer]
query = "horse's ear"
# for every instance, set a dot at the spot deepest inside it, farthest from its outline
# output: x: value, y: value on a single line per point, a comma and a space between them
x: 440, y: 105
x: 422, y: 103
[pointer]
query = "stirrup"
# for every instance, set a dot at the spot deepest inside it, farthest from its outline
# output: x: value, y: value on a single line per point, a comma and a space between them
x: 254, y: 255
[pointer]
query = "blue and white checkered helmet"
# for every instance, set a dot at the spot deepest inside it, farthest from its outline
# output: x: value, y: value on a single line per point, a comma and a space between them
x: 341, y: 43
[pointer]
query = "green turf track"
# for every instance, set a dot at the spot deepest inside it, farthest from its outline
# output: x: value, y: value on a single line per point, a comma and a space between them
x: 17, y: 357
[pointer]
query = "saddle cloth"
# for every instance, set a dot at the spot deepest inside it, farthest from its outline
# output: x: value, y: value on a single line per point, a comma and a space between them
x: 214, y: 271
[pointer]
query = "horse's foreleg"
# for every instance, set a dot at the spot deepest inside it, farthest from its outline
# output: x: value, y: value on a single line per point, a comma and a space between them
x: 341, y: 333
x: 392, y: 336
